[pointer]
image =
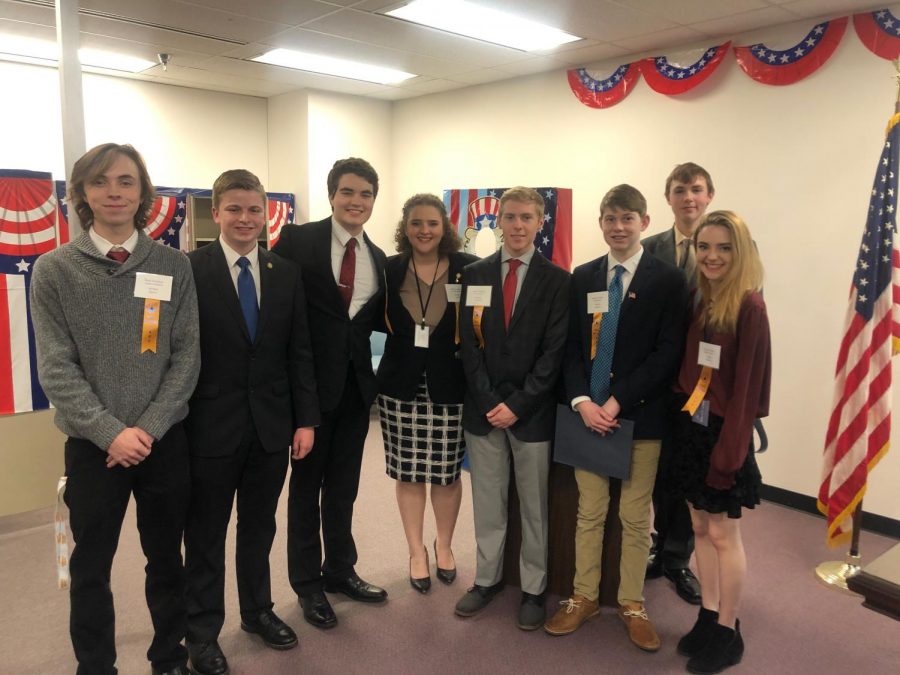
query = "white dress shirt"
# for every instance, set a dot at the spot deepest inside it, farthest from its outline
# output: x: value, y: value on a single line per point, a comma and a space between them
x: 231, y: 257
x: 105, y: 246
x: 365, y: 284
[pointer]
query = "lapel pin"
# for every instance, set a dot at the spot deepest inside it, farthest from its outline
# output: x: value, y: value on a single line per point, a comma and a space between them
x: 632, y: 295
x: 269, y: 265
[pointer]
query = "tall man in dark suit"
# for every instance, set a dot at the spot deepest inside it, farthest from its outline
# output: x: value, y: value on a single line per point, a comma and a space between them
x: 621, y: 371
x: 689, y: 190
x: 343, y: 272
x: 255, y: 404
x: 513, y: 330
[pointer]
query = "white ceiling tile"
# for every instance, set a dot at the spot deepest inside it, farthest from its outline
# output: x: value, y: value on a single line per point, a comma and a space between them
x: 740, y: 23
x: 480, y: 76
x: 581, y: 57
x: 659, y: 42
x: 293, y: 12
x: 16, y: 11
x: 820, y: 8
x: 686, y: 12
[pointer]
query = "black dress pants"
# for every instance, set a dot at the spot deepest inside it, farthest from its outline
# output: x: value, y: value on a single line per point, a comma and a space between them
x: 330, y: 473
x: 257, y: 477
x: 671, y: 518
x: 97, y: 498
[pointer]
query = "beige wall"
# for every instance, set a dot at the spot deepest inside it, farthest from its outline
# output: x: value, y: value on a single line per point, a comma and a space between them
x: 31, y: 454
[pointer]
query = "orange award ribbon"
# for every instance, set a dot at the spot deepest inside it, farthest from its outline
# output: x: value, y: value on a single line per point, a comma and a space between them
x: 476, y: 324
x: 699, y: 392
x: 62, y: 541
x: 595, y: 332
x: 150, y: 329
x: 456, y: 337
x: 387, y: 321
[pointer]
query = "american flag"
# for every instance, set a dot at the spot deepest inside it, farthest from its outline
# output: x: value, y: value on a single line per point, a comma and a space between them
x: 27, y: 230
x: 859, y: 430
x: 473, y: 210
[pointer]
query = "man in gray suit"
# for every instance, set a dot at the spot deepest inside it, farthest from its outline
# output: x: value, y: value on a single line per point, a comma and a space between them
x: 689, y: 190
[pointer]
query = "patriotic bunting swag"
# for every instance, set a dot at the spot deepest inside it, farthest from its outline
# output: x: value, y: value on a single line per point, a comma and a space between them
x: 879, y: 32
x: 606, y: 92
x: 671, y: 79
x: 167, y: 217
x: 859, y: 429
x: 473, y: 211
x: 280, y: 213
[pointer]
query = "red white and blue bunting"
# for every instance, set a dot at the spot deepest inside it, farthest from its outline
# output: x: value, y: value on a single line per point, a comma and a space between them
x: 672, y: 80
x: 879, y: 31
x: 605, y: 92
x: 787, y: 66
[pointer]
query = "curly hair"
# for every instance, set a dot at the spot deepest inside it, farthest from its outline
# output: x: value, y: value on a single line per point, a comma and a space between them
x: 449, y: 239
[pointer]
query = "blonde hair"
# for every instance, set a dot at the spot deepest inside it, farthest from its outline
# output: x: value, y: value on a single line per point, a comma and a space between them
x: 744, y: 276
x: 524, y: 195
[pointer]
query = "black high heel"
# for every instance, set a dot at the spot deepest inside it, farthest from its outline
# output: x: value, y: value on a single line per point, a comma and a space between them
x: 444, y: 575
x: 424, y: 584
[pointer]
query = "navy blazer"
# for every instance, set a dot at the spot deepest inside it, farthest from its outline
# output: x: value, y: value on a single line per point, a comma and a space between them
x: 403, y: 363
x: 649, y: 340
x: 521, y: 366
x: 337, y: 340
x: 269, y: 381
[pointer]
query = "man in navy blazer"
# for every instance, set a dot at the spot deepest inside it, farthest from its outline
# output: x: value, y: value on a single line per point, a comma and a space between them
x: 255, y: 403
x: 343, y: 275
x: 623, y: 370
x: 513, y: 329
x: 689, y: 190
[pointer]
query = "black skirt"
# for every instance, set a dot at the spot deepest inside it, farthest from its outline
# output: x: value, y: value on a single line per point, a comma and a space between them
x: 693, y: 445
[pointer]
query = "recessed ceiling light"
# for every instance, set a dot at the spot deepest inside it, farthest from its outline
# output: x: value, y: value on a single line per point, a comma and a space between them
x: 329, y: 65
x: 481, y: 23
x: 15, y: 47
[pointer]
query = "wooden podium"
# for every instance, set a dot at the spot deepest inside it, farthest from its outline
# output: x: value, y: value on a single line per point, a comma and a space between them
x: 879, y: 583
x: 563, y: 497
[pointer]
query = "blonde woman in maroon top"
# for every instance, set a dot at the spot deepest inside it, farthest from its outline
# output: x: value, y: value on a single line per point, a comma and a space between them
x: 724, y: 379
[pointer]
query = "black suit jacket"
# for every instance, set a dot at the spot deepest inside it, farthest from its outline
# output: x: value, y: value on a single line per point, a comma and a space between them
x: 270, y: 381
x: 403, y: 363
x: 337, y: 340
x: 519, y: 367
x: 662, y: 246
x: 649, y: 340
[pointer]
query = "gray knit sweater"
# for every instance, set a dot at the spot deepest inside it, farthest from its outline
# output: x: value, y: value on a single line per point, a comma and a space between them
x: 87, y: 326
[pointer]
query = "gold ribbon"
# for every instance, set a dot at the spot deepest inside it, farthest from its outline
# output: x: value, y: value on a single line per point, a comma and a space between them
x: 595, y: 332
x: 62, y: 540
x: 699, y: 392
x: 150, y: 329
x: 477, y: 312
x: 387, y: 321
x: 456, y: 337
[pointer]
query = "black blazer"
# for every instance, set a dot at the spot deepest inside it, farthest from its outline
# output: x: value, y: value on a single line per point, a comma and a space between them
x: 337, y: 341
x: 649, y: 340
x: 270, y: 381
x: 403, y: 363
x: 520, y: 367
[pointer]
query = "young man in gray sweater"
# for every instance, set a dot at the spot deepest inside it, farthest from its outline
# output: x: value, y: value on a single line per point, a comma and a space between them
x: 116, y: 326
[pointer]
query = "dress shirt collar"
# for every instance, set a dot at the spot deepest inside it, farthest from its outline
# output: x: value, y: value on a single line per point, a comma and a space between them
x: 104, y: 246
x: 525, y: 258
x: 343, y: 236
x: 231, y: 256
x: 630, y: 264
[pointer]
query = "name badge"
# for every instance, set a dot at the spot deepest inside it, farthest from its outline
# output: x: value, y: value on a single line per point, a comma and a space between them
x: 598, y: 302
x: 454, y: 292
x: 478, y: 296
x: 153, y: 286
x: 709, y: 354
x: 422, y: 336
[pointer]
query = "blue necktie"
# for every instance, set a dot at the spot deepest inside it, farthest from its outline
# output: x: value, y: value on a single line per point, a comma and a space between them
x: 600, y: 370
x: 247, y: 296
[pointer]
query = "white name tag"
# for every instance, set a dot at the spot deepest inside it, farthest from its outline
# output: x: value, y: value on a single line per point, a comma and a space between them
x: 153, y: 286
x: 478, y: 296
x: 422, y: 336
x: 598, y: 302
x: 709, y: 354
x: 454, y: 292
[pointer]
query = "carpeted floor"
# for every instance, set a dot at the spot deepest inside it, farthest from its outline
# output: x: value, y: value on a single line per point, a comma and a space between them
x: 791, y: 624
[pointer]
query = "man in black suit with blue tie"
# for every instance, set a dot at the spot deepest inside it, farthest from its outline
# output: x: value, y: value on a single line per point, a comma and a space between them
x: 343, y: 273
x: 255, y: 403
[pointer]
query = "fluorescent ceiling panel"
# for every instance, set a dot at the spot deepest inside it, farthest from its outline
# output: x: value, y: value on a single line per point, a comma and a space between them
x: 329, y: 65
x: 471, y: 20
x: 34, y: 50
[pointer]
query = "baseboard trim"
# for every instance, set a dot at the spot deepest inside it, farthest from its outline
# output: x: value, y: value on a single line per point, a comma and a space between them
x: 871, y: 522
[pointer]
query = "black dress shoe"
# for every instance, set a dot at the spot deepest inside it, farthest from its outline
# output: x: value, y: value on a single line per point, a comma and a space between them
x: 177, y: 670
x: 421, y: 584
x: 357, y: 589
x: 317, y: 610
x: 273, y: 631
x: 654, y: 564
x: 447, y: 576
x: 686, y: 584
x: 207, y: 658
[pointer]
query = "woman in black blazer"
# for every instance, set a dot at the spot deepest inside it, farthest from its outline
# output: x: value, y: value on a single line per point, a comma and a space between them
x: 421, y: 382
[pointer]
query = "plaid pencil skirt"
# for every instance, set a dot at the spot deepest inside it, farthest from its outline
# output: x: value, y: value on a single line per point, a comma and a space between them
x: 423, y: 441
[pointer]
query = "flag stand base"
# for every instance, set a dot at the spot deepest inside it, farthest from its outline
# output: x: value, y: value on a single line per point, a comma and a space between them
x: 834, y: 573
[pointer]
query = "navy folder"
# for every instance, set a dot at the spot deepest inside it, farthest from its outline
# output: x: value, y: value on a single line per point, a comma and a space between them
x: 577, y: 445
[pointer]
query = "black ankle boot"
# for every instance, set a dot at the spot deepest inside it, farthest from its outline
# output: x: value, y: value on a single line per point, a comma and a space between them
x: 724, y: 648
x: 696, y: 639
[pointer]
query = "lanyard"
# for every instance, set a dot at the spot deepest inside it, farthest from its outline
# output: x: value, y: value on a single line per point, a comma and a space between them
x: 424, y: 305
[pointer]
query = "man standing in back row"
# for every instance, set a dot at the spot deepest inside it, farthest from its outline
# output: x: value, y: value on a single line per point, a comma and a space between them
x: 689, y: 190
x: 343, y: 275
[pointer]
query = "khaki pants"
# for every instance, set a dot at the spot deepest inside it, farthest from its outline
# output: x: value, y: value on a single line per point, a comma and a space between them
x: 634, y: 512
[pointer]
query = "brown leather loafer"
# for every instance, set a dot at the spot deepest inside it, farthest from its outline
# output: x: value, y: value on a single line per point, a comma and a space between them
x: 640, y: 629
x: 574, y: 612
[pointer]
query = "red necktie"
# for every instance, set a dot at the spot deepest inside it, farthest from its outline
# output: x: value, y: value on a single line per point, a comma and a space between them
x: 348, y: 272
x: 120, y: 255
x: 509, y: 289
